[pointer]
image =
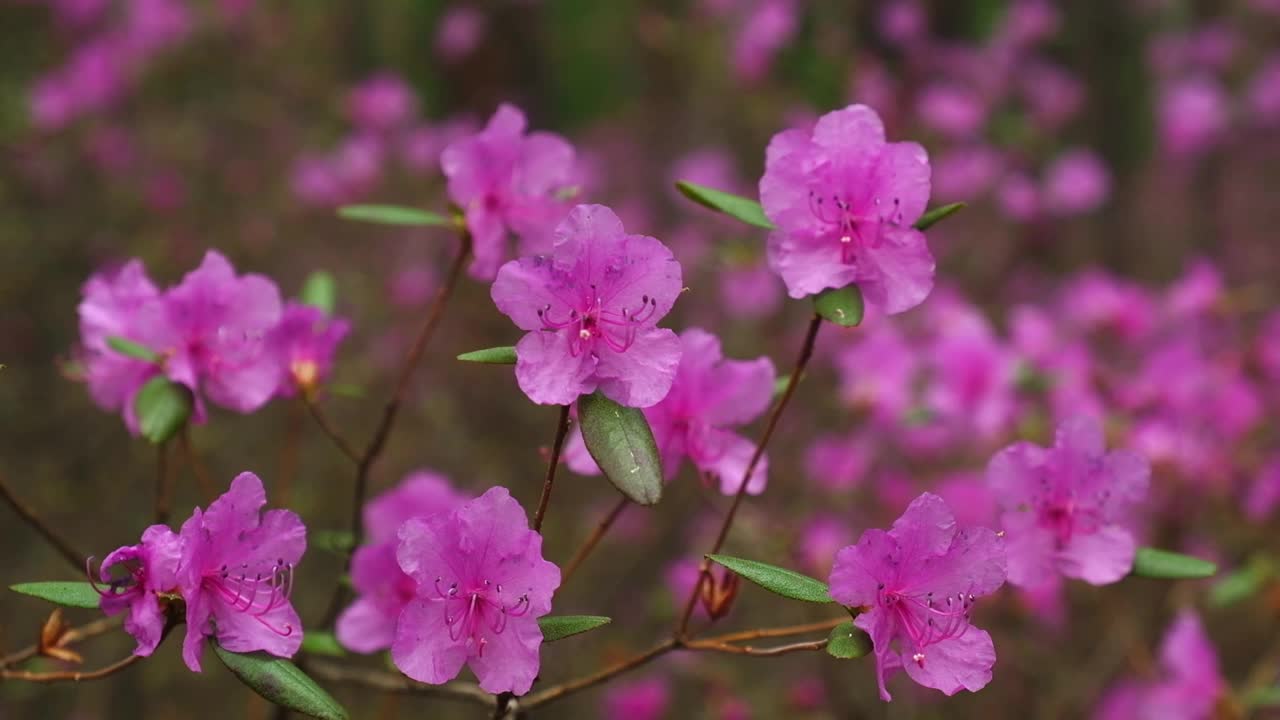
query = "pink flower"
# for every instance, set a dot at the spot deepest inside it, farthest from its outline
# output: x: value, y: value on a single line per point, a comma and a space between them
x: 843, y: 201
x: 1189, y: 686
x: 383, y: 102
x: 1066, y: 508
x: 920, y: 580
x: 382, y: 588
x: 1192, y: 115
x: 151, y: 567
x: 1075, y: 182
x: 646, y: 699
x: 507, y: 181
x: 768, y: 27
x: 590, y: 308
x: 951, y: 109
x: 481, y: 586
x: 304, y: 342
x: 460, y: 30
x: 236, y: 574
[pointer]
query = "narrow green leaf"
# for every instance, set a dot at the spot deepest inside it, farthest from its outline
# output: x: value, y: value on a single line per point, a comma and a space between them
x: 620, y: 441
x: 558, y: 627
x: 1242, y: 583
x: 339, y: 542
x: 71, y: 594
x: 1153, y: 563
x: 129, y: 348
x: 317, y: 642
x: 932, y: 217
x: 842, y: 306
x: 735, y: 206
x: 163, y: 408
x: 784, y: 582
x: 1264, y: 698
x: 282, y: 683
x: 320, y: 291
x: 391, y: 215
x: 848, y: 642
x: 505, y: 355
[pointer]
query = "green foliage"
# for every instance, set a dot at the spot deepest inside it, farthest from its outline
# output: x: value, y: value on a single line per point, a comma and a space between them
x: 1162, y: 564
x: 504, y: 355
x: 842, y: 306
x: 781, y: 581
x: 392, y: 215
x: 70, y: 594
x: 281, y: 683
x: 558, y: 627
x: 163, y: 407
x: 621, y: 442
x: 320, y: 291
x: 848, y: 642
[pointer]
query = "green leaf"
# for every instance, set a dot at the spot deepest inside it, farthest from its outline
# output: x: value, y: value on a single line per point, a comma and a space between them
x: 163, y: 408
x: 317, y: 642
x: 1263, y: 698
x: 71, y: 594
x: 932, y: 217
x: 558, y: 627
x: 735, y: 206
x: 842, y: 306
x: 620, y: 441
x: 129, y: 348
x: 848, y: 642
x: 505, y: 355
x: 339, y: 542
x: 391, y: 215
x: 282, y: 683
x: 1242, y: 584
x: 347, y: 390
x: 784, y: 582
x: 320, y: 291
x: 1153, y: 563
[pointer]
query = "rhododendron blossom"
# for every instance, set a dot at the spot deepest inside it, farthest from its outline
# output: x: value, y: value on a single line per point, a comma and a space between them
x: 507, y: 181
x: 1067, y: 508
x: 709, y: 395
x: 590, y: 308
x: 844, y: 201
x: 1189, y: 684
x: 304, y: 342
x: 917, y: 584
x: 382, y: 588
x: 481, y: 586
x: 151, y: 567
x: 236, y: 574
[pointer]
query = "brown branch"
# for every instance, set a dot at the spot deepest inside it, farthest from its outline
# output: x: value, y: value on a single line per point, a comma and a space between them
x: 559, y: 691
x: 787, y: 631
x: 208, y: 490
x: 562, y: 429
x: 164, y: 488
x: 592, y: 540
x: 389, y: 682
x: 70, y: 637
x: 712, y: 646
x: 289, y: 451
x: 70, y: 676
x: 50, y: 535
x: 328, y: 429
x: 704, y: 570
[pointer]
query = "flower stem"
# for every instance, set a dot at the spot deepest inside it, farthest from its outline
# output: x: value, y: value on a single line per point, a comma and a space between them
x: 562, y: 429
x: 704, y: 570
x: 328, y: 429
x: 559, y: 691
x: 74, y: 635
x: 73, y: 676
x: 786, y: 631
x: 203, y: 480
x: 711, y: 646
x: 164, y: 489
x: 50, y: 535
x: 592, y: 540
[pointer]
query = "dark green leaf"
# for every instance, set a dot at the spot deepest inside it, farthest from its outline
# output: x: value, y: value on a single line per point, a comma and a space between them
x: 71, y: 594
x: 505, y: 355
x: 163, y: 408
x: 735, y: 206
x: 282, y: 683
x: 129, y: 348
x: 1242, y: 583
x: 848, y: 642
x: 557, y: 627
x: 842, y: 306
x: 1153, y: 563
x: 391, y: 215
x: 317, y: 642
x: 620, y: 441
x: 784, y: 582
x: 339, y: 542
x: 320, y: 291
x: 931, y: 218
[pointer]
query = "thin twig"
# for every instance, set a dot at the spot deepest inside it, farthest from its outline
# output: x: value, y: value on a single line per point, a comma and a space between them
x: 328, y: 429
x: 72, y: 636
x: 704, y: 569
x: 70, y: 676
x: 592, y: 540
x: 562, y: 429
x: 711, y: 646
x: 559, y: 691
x: 777, y: 632
x: 50, y: 535
x: 208, y: 491
x: 290, y: 448
x: 164, y: 488
x: 389, y: 682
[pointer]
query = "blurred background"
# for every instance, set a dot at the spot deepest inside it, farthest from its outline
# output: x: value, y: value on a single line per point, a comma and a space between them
x: 1118, y: 257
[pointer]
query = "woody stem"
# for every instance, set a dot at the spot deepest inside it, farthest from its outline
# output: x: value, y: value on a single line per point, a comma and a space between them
x: 562, y: 429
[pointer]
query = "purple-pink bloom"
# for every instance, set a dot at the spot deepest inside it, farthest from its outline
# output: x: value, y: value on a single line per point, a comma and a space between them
x: 236, y: 574
x: 843, y: 201
x: 481, y: 586
x: 919, y: 582
x: 460, y: 30
x: 646, y: 699
x: 1067, y: 508
x: 1189, y: 684
x: 590, y: 308
x: 383, y: 102
x: 507, y: 181
x: 1192, y: 115
x: 304, y: 343
x: 1075, y: 182
x: 382, y: 588
x: 151, y: 567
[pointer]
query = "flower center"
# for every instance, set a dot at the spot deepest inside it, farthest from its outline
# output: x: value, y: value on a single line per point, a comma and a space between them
x: 590, y: 321
x: 853, y: 228
x: 467, y: 612
x: 254, y: 595
x: 924, y: 619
